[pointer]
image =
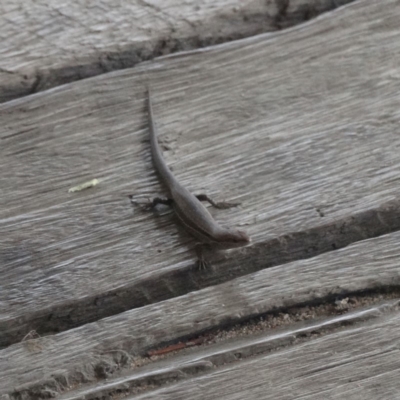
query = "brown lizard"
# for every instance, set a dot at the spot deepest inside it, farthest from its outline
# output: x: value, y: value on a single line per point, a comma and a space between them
x: 192, y: 214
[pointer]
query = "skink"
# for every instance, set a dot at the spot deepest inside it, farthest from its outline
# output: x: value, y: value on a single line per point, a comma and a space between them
x: 190, y: 211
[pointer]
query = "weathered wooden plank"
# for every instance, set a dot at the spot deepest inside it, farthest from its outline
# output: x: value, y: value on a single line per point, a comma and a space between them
x: 45, y: 44
x: 78, y: 355
x: 277, y: 138
x: 362, y: 363
x: 196, y: 361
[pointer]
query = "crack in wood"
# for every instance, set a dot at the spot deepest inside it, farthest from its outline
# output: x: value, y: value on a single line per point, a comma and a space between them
x: 279, y: 251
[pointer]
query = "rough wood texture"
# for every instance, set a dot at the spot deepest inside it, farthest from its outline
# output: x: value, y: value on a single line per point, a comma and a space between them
x: 45, y: 44
x: 195, y: 361
x: 362, y: 363
x: 91, y: 351
x: 304, y: 138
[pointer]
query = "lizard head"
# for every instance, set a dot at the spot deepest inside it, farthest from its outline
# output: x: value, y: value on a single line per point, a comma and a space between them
x: 234, y: 236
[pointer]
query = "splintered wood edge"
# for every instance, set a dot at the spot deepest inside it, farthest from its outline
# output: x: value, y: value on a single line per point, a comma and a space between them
x: 122, y: 41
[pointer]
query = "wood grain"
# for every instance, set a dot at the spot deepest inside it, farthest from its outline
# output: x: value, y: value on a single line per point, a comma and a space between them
x: 362, y: 363
x: 49, y: 43
x: 199, y: 360
x: 77, y: 356
x: 301, y: 127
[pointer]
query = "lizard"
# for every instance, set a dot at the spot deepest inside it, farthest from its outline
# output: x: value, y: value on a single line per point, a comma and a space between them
x: 190, y: 211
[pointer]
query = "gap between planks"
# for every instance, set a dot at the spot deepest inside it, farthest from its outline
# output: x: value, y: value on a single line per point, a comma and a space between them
x: 123, y: 41
x: 162, y: 286
x: 195, y: 362
x: 78, y: 355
